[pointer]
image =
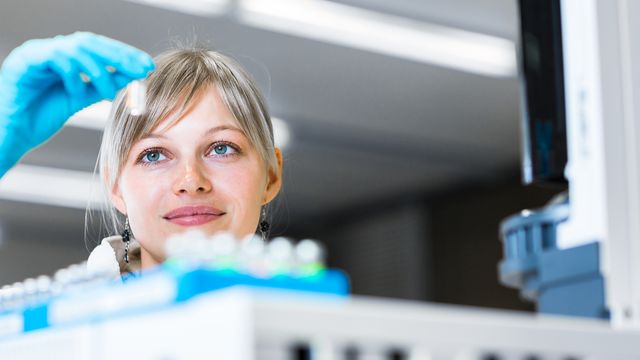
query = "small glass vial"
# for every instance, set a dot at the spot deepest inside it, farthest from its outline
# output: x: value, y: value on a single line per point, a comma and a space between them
x: 136, y: 97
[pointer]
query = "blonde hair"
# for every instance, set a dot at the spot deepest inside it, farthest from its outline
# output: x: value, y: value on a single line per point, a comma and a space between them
x: 179, y: 78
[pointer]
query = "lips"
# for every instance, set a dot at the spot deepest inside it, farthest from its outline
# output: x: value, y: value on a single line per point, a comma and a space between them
x: 193, y: 215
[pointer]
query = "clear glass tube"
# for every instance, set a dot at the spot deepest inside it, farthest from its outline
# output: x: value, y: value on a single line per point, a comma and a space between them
x: 136, y: 97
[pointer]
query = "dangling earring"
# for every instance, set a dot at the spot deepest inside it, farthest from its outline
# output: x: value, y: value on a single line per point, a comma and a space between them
x: 264, y: 224
x: 126, y: 238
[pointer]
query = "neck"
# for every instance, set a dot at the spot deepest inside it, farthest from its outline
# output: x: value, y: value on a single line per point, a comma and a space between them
x: 147, y: 260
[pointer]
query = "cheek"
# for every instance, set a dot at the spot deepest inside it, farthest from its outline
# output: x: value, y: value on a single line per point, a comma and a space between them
x: 241, y: 186
x: 242, y: 189
x: 142, y: 195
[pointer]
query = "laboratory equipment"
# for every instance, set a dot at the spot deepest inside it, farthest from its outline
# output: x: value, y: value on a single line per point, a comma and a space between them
x: 246, y: 322
x: 196, y: 264
x: 585, y: 261
x: 219, y: 298
x: 544, y: 144
x: 136, y: 97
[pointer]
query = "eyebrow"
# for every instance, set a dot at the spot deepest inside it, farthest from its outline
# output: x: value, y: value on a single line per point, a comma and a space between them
x: 223, y: 127
x: 208, y: 132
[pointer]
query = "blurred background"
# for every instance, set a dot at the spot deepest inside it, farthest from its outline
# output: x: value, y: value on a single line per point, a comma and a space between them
x: 399, y: 122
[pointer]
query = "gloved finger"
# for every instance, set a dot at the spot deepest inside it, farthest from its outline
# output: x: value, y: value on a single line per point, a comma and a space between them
x: 124, y: 58
x: 68, y: 70
x: 98, y: 74
x: 121, y: 81
x: 91, y: 96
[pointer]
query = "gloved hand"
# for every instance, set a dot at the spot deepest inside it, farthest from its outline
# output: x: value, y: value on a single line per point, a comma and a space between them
x: 41, y: 86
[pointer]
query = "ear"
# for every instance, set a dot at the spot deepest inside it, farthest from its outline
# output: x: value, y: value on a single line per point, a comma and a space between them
x: 275, y: 179
x: 117, y: 200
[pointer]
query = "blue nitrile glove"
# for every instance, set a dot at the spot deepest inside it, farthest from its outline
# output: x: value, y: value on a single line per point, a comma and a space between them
x: 41, y: 86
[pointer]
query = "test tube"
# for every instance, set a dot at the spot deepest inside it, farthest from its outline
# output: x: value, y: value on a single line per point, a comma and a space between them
x: 309, y: 258
x: 279, y: 256
x: 136, y: 97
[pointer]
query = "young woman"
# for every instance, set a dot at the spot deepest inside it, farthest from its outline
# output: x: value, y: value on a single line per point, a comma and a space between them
x: 202, y: 156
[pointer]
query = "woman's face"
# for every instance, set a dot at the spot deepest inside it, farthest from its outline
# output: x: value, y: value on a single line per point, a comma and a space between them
x: 201, y: 173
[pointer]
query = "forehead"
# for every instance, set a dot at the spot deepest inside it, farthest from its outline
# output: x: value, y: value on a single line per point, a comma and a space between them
x: 207, y: 110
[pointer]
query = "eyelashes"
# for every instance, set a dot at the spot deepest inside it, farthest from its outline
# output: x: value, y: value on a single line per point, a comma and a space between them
x: 220, y: 146
x: 218, y: 149
x: 149, y: 151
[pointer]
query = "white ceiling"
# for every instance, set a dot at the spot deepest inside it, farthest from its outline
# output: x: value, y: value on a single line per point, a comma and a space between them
x: 364, y: 126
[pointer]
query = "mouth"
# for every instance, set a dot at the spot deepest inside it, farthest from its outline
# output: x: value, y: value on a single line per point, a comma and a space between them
x: 193, y: 215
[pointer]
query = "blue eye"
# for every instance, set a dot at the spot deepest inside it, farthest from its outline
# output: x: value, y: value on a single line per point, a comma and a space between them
x: 223, y: 149
x: 153, y: 156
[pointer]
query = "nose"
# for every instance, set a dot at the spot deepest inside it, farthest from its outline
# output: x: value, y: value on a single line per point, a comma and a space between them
x: 192, y: 180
